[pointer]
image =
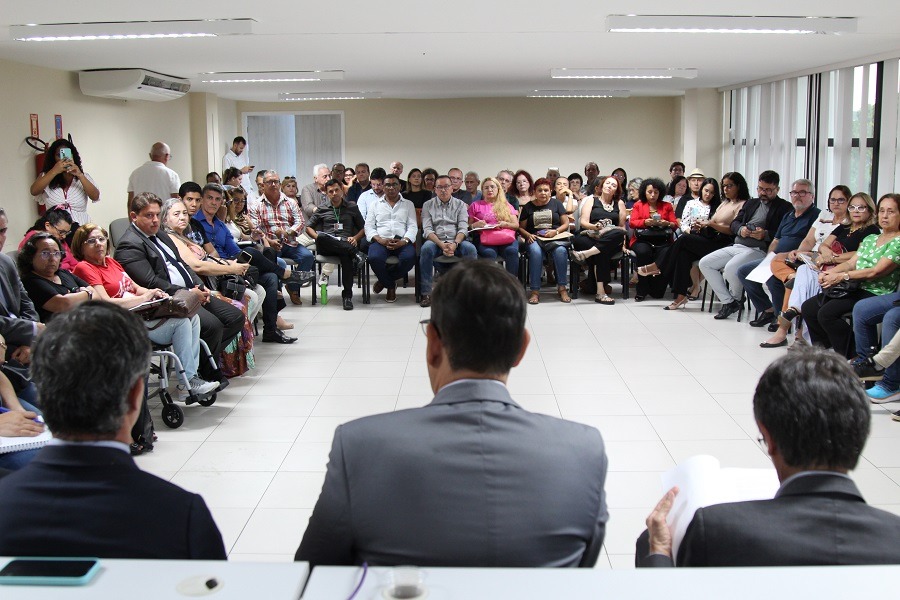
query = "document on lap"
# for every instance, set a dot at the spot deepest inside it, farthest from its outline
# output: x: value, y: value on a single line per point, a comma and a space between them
x: 702, y: 481
x: 763, y: 271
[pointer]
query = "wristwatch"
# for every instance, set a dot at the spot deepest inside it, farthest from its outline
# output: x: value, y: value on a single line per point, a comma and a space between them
x: 846, y: 276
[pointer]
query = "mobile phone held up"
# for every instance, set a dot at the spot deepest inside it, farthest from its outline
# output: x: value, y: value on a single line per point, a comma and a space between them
x: 244, y: 257
x: 49, y: 571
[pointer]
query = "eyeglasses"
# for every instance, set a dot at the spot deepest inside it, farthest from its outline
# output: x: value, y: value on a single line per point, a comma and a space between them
x: 728, y: 186
x: 504, y: 180
x: 62, y: 232
x: 93, y: 241
x: 765, y: 190
x: 800, y: 194
x: 48, y: 254
x: 272, y: 182
x: 857, y: 208
x: 425, y: 323
x: 838, y: 200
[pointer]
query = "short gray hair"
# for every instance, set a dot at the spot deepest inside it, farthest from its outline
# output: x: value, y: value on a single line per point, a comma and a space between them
x: 318, y: 168
x: 809, y: 184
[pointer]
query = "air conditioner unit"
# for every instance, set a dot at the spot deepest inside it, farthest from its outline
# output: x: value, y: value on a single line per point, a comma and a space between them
x: 132, y: 84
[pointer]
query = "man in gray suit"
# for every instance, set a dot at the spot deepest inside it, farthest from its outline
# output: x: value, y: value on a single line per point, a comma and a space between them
x: 471, y: 479
x: 814, y: 419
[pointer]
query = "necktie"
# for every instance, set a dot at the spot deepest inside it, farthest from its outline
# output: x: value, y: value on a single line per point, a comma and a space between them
x: 188, y: 280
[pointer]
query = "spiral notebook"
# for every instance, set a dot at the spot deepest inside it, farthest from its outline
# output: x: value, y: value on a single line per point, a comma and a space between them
x: 14, y: 444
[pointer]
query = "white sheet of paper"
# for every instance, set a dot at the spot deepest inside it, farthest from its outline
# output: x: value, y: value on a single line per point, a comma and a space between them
x: 763, y: 271
x: 703, y: 482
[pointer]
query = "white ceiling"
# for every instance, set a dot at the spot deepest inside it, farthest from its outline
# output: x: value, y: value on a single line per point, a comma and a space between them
x: 453, y: 49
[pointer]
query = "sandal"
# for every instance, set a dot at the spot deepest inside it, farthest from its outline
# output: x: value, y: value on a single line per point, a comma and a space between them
x: 646, y: 272
x: 677, y: 304
x: 534, y: 298
x: 577, y: 256
x: 694, y: 295
x: 604, y: 299
x: 563, y: 294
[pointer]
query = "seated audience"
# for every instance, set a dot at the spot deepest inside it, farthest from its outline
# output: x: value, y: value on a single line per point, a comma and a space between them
x: 19, y: 419
x: 391, y: 230
x: 150, y: 258
x: 677, y: 266
x: 622, y: 177
x: 58, y: 223
x: 563, y: 193
x: 575, y: 183
x: 444, y: 227
x: 871, y: 363
x: 523, y: 188
x: 540, y: 221
x: 676, y: 190
x: 415, y: 189
x: 471, y: 182
x: 371, y: 195
x: 112, y: 284
x: 872, y: 271
x: 505, y: 177
x: 232, y: 177
x: 429, y: 177
x: 471, y: 479
x: 52, y: 289
x: 753, y: 230
x: 83, y: 495
x: 337, y: 230
x: 839, y: 245
x: 653, y: 222
x: 213, y: 177
x: 791, y: 232
x: 814, y: 421
x: 601, y: 234
x: 498, y: 220
x: 456, y: 180
x: 634, y: 188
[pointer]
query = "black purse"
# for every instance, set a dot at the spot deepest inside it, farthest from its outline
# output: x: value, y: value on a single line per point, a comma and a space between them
x: 232, y: 286
x: 841, y: 289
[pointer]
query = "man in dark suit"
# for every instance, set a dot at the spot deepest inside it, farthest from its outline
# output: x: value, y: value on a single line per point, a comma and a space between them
x: 471, y: 479
x: 814, y: 419
x: 150, y: 258
x: 83, y: 495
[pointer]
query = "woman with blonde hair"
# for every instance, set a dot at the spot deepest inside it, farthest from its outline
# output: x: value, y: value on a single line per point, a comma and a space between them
x: 497, y: 222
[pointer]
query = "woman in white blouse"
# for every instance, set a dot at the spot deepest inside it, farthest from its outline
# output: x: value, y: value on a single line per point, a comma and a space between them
x: 63, y: 183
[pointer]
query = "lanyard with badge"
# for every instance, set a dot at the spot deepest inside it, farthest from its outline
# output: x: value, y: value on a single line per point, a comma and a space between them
x: 338, y: 226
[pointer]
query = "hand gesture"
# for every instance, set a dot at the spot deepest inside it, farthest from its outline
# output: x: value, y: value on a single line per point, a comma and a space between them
x: 658, y: 527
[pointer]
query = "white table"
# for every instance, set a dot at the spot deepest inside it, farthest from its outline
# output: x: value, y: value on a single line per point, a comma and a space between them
x: 337, y: 583
x: 157, y: 580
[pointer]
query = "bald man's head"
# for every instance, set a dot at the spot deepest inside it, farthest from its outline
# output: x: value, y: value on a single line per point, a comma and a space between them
x: 160, y: 152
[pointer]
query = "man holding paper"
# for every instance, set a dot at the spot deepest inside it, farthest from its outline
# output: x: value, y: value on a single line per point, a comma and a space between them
x: 791, y: 232
x: 814, y: 419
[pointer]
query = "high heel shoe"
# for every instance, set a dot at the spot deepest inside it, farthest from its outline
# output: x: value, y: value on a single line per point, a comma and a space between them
x: 646, y: 272
x: 694, y: 295
x: 677, y: 304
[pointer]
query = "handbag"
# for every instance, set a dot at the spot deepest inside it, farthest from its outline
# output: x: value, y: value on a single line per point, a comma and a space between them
x: 652, y: 236
x: 232, y: 286
x: 182, y: 304
x: 841, y: 289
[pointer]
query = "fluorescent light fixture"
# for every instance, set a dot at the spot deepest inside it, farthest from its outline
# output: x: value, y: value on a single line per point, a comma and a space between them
x: 301, y: 96
x: 130, y: 30
x: 270, y: 76
x: 623, y: 73
x: 580, y: 94
x: 728, y: 24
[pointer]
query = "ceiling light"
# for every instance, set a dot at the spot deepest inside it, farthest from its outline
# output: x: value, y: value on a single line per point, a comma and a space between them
x: 269, y: 76
x: 580, y: 94
x: 623, y: 73
x: 129, y: 30
x: 300, y: 97
x: 728, y: 24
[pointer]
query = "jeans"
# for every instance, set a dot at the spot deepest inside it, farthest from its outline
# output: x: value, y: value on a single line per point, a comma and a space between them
x: 429, y: 252
x: 867, y: 314
x: 755, y: 290
x: 560, y: 256
x: 509, y: 252
x: 389, y: 274
x: 300, y: 255
x: 184, y: 337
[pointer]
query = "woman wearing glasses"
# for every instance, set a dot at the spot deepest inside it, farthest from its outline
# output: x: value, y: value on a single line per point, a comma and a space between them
x: 51, y: 289
x: 110, y: 283
x: 58, y: 223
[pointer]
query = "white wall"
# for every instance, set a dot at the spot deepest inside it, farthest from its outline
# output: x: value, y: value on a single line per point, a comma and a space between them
x: 112, y: 136
x: 490, y: 134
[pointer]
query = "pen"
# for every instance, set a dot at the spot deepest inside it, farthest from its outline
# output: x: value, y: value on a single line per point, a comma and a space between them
x: 37, y: 419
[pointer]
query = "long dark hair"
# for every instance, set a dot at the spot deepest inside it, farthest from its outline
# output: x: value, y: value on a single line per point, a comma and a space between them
x: 716, y: 199
x: 50, y: 160
x: 52, y: 216
x: 738, y: 179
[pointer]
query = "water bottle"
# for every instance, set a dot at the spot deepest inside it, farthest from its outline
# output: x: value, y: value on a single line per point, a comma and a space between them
x: 323, y: 292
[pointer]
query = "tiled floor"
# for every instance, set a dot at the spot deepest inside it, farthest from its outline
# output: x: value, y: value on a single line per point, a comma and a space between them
x: 660, y: 386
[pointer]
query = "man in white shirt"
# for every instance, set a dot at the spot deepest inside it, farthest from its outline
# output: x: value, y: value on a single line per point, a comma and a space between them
x: 391, y: 230
x: 238, y: 159
x: 154, y: 176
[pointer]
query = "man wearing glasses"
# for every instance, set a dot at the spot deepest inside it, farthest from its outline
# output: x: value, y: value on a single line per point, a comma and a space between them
x: 391, y: 230
x: 754, y: 228
x: 793, y: 228
x: 281, y: 222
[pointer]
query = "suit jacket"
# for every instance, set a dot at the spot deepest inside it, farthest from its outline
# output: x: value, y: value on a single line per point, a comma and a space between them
x: 18, y: 330
x: 95, y: 501
x: 145, y: 265
x: 816, y: 519
x: 778, y: 207
x: 471, y: 479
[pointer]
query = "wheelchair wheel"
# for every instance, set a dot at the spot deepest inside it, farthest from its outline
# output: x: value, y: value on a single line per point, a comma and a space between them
x: 173, y: 416
x: 208, y: 401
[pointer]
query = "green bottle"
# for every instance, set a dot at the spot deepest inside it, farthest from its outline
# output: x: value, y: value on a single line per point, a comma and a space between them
x: 324, y: 293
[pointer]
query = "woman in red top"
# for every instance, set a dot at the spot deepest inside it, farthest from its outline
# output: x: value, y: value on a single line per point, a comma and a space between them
x: 653, y: 222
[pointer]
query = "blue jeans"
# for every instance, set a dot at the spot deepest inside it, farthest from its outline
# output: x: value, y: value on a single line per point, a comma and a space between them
x: 867, y: 314
x: 560, y: 258
x: 429, y: 252
x: 184, y: 337
x: 17, y: 460
x: 509, y: 252
x: 389, y: 274
x: 300, y: 255
x: 755, y: 290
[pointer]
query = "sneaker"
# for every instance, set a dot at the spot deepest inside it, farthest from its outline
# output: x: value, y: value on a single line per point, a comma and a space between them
x: 867, y: 369
x: 896, y: 416
x: 878, y: 394
x: 304, y: 278
x: 323, y: 279
x: 201, y: 387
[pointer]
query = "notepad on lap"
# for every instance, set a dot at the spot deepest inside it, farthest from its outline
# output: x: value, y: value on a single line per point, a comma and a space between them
x: 14, y: 444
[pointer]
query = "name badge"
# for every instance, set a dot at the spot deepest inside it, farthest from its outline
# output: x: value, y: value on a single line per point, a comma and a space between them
x: 338, y: 226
